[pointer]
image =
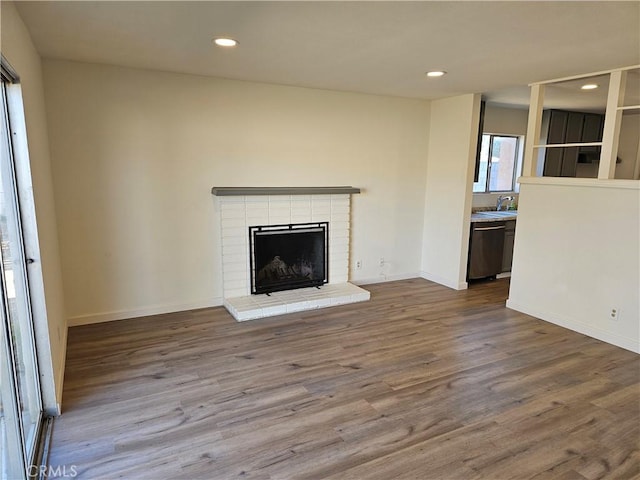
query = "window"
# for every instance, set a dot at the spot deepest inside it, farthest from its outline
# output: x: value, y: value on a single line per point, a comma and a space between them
x: 499, y: 159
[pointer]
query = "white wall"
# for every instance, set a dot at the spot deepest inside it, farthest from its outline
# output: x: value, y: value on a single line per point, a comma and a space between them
x: 576, y: 256
x: 447, y: 203
x: 50, y: 318
x: 505, y: 121
x: 135, y: 154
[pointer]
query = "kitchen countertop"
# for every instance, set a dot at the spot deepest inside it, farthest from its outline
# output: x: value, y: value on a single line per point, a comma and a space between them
x: 492, y: 216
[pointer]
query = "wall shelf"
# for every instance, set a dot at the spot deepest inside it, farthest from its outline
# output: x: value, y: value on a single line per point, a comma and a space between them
x: 581, y: 182
x: 576, y: 144
x: 245, y: 191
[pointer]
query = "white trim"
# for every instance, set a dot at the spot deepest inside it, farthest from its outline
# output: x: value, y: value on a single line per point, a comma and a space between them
x: 49, y: 388
x: 534, y: 128
x: 611, y: 129
x: 612, y: 123
x: 444, y: 281
x: 141, y: 312
x: 581, y: 182
x: 585, y: 75
x: 636, y: 169
x: 577, y: 144
x: 576, y: 326
x: 385, y: 278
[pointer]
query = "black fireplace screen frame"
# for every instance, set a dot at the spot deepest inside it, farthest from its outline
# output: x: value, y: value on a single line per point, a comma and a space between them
x: 315, y: 227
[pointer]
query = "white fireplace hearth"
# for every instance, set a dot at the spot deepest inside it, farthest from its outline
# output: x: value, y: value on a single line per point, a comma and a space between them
x: 239, y: 208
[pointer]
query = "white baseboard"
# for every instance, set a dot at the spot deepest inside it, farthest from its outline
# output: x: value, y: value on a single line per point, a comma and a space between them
x: 141, y: 312
x: 444, y: 281
x: 385, y: 278
x: 576, y: 326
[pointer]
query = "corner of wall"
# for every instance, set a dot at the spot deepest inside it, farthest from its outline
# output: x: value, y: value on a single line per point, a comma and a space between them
x: 448, y: 191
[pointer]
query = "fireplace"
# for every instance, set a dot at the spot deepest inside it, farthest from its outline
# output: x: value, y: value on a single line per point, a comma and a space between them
x: 286, y: 257
x: 273, y: 214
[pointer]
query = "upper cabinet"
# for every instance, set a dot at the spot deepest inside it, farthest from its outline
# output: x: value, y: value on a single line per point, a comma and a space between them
x: 592, y: 128
x: 564, y: 127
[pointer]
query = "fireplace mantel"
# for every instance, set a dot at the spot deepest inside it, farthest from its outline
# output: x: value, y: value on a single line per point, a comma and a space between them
x: 248, y: 191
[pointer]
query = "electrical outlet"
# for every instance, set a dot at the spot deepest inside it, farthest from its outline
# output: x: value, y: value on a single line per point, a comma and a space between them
x: 358, y: 264
x: 382, y: 261
x: 614, y: 313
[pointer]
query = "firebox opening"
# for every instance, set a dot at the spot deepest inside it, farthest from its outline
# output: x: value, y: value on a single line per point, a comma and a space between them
x: 285, y: 257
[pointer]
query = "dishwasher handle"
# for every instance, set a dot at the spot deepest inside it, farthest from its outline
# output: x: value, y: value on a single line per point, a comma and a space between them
x: 482, y: 229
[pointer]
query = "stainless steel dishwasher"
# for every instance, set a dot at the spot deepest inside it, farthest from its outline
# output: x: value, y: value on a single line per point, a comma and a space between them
x: 485, y: 250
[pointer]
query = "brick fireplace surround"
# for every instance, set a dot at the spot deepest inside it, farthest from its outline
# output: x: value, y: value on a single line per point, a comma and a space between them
x: 238, y: 208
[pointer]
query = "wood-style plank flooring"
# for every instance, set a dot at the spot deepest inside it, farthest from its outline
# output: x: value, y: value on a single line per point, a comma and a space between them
x: 421, y: 382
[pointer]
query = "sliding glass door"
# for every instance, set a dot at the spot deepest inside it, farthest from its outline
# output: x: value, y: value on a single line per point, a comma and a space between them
x: 20, y: 400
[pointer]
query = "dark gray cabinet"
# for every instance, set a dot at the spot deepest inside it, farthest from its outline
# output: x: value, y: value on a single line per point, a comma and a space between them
x: 490, y: 248
x: 485, y: 250
x: 476, y: 173
x: 560, y: 126
x: 592, y: 128
x: 556, y: 133
x: 509, y: 240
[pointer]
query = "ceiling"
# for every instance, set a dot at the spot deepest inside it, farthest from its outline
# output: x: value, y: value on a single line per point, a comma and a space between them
x: 384, y: 48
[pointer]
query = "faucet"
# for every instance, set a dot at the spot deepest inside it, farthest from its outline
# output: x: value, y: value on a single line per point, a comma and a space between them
x: 501, y: 200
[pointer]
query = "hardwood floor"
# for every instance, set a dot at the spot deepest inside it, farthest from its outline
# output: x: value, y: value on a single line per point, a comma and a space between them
x: 421, y: 382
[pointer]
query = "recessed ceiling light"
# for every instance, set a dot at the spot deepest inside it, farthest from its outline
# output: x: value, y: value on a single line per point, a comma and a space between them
x: 225, y: 42
x: 436, y: 73
x: 590, y: 86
